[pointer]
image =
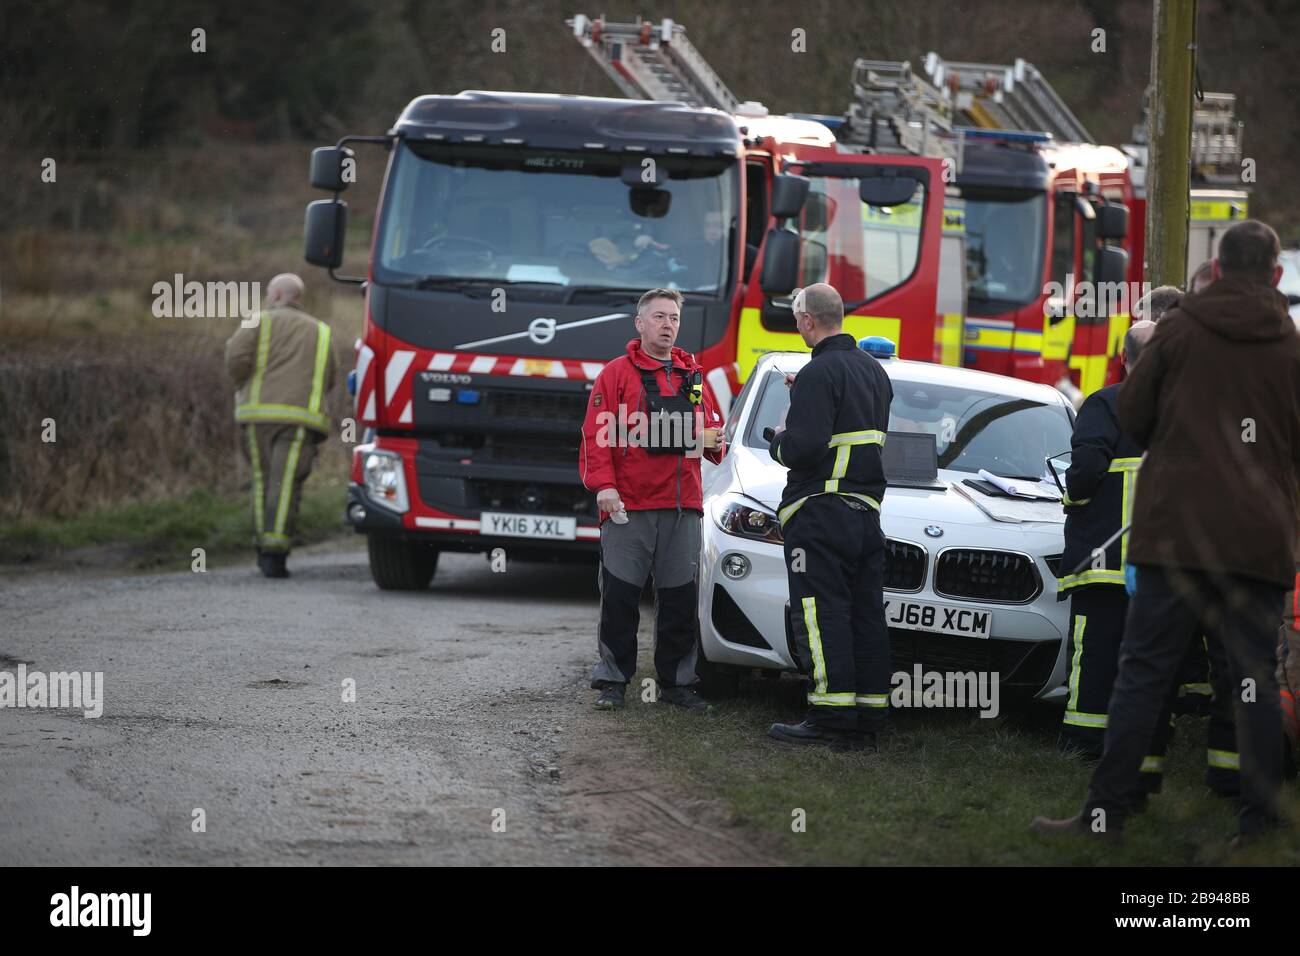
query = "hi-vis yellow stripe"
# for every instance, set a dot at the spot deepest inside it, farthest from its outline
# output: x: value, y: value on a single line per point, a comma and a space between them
x: 1222, y: 210
x: 947, y: 336
x: 752, y: 340
x: 255, y: 410
x: 815, y: 645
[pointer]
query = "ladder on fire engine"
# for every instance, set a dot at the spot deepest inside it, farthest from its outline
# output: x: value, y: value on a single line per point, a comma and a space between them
x: 1215, y: 148
x: 654, y: 62
x: 1216, y: 140
x: 895, y: 110
x: 1014, y: 97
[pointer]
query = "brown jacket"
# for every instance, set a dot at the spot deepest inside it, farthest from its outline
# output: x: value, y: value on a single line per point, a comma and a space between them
x: 1215, y: 400
x: 283, y: 368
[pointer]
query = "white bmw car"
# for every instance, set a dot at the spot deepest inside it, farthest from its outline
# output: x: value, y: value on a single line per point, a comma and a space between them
x: 970, y: 578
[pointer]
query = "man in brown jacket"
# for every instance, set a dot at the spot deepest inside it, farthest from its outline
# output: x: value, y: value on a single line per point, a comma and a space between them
x: 283, y: 368
x: 1216, y: 403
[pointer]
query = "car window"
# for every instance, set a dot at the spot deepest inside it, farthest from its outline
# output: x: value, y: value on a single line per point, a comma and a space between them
x: 973, y: 429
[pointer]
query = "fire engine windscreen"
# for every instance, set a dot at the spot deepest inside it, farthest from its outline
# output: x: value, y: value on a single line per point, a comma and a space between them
x: 1005, y: 242
x: 514, y: 215
x: 862, y: 250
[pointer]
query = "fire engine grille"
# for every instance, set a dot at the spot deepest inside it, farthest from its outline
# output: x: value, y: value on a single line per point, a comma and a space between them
x: 532, y: 449
x: 904, y: 566
x: 534, y: 497
x: 558, y: 407
x: 987, y: 576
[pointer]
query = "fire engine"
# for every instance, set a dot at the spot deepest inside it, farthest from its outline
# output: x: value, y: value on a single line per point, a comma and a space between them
x: 514, y: 234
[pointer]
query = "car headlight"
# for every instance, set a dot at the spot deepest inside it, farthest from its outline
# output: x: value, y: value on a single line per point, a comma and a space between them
x: 742, y: 519
x: 386, y: 480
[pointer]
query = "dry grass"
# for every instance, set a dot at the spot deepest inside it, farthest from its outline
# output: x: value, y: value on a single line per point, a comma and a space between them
x: 141, y: 406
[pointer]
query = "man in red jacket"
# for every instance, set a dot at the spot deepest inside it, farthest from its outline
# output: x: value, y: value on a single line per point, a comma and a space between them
x: 648, y: 421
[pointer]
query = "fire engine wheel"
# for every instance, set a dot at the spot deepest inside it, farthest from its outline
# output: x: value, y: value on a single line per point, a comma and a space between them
x: 398, y: 565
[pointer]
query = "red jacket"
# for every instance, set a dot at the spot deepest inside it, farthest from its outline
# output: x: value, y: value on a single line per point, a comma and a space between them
x: 644, y: 480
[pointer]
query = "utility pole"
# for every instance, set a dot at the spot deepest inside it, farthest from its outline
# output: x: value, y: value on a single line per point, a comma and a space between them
x: 1173, y: 67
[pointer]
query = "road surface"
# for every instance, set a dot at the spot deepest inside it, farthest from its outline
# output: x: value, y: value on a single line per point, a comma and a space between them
x: 224, y: 692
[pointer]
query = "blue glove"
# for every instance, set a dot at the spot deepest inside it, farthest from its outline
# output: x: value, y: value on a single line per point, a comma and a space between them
x: 1130, y: 579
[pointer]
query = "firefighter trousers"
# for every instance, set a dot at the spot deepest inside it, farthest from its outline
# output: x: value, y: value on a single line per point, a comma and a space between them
x: 835, y: 561
x: 280, y: 457
x: 1171, y: 606
x: 664, y: 542
x: 1097, y: 613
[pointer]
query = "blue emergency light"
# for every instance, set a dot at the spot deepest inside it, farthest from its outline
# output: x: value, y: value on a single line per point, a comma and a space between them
x: 1004, y: 135
x: 877, y: 345
x: 467, y: 396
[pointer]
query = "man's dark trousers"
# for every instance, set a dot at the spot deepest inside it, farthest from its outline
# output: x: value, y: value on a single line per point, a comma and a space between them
x: 835, y: 560
x: 666, y: 543
x: 1168, y: 610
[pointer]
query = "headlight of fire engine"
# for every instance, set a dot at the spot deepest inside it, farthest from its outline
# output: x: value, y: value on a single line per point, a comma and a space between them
x: 385, y: 480
x: 741, y: 518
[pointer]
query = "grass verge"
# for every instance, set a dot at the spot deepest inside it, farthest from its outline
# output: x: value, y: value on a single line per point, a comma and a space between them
x: 946, y: 789
x: 162, y: 534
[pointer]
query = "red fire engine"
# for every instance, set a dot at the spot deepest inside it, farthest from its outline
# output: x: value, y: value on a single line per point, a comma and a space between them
x: 514, y: 235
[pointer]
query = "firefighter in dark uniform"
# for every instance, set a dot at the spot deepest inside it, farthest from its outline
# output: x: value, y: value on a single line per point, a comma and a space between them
x: 830, y: 520
x: 1100, y: 485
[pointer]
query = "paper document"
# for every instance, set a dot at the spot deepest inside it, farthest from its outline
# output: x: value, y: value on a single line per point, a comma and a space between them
x: 1020, y: 489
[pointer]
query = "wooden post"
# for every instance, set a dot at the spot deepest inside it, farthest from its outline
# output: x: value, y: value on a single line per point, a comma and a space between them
x: 1173, y: 68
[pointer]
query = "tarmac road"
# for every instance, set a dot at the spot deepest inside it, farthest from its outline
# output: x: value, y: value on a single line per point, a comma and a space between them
x: 224, y: 692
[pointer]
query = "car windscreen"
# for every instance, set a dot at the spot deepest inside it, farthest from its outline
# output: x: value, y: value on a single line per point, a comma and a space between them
x: 515, y: 215
x: 973, y: 429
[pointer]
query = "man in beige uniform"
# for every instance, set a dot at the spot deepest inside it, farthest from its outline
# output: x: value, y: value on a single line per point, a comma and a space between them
x: 283, y: 368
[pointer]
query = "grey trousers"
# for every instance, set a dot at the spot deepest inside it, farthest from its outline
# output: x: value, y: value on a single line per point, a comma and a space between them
x: 665, y: 542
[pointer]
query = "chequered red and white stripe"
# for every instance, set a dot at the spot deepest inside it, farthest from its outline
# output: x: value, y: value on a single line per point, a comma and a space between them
x: 392, y: 384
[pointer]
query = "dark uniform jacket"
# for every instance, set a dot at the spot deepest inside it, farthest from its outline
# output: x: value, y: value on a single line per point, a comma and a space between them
x: 834, y: 431
x: 1099, y: 487
x: 1215, y: 400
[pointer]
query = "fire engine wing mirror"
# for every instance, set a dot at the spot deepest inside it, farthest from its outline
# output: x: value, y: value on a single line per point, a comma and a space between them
x: 780, y: 262
x: 323, y: 233
x: 1112, y: 265
x: 1084, y: 208
x: 332, y: 168
x: 887, y: 191
x: 1112, y: 221
x: 788, y: 195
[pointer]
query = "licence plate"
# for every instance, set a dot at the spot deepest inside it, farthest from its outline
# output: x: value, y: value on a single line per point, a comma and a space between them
x: 938, y: 618
x: 529, y: 526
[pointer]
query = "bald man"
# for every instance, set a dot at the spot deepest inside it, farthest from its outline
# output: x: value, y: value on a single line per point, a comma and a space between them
x: 830, y: 521
x: 282, y: 368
